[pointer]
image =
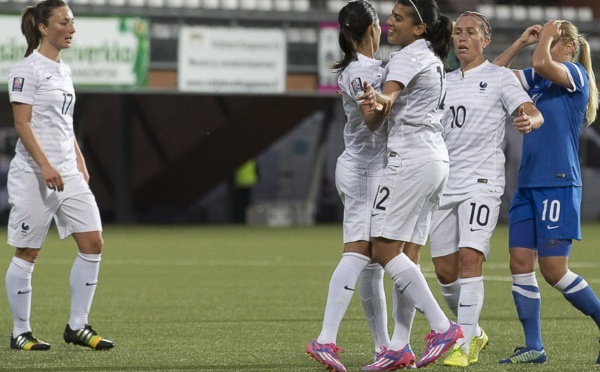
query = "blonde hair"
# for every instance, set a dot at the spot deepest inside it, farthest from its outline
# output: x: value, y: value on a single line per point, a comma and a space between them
x: 582, y: 54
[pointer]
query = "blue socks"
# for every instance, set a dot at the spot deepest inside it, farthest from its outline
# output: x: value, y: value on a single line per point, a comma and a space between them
x: 526, y: 294
x: 577, y: 291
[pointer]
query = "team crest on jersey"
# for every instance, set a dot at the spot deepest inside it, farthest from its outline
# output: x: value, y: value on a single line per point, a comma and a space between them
x: 18, y: 83
x: 356, y: 85
x: 482, y: 86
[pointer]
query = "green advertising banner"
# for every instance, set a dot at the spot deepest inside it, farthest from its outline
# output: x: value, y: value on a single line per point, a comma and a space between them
x: 106, y: 52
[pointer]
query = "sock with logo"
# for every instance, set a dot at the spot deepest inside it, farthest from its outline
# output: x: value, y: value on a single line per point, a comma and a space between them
x: 372, y: 297
x: 577, y: 291
x: 18, y: 289
x: 84, y: 280
x: 412, y: 284
x: 528, y: 301
x: 341, y: 289
x: 404, y: 314
x: 469, y: 308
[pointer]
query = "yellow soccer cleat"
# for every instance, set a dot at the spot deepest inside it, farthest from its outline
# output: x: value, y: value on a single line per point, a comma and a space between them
x: 477, y: 344
x: 457, y: 357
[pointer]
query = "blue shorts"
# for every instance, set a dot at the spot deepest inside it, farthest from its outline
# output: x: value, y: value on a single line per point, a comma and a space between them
x: 554, y: 214
x: 556, y: 211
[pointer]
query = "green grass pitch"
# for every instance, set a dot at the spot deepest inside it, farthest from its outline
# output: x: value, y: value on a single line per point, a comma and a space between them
x: 249, y: 299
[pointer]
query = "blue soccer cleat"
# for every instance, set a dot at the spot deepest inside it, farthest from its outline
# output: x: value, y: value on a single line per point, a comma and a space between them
x: 526, y: 355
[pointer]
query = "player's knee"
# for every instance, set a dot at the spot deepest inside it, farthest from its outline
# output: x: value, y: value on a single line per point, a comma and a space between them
x: 27, y: 254
x: 446, y: 275
x: 471, y: 262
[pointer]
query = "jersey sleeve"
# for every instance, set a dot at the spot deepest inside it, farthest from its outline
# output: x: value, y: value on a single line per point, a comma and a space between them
x: 352, y: 80
x: 512, y: 94
x: 403, y: 68
x: 529, y: 78
x: 22, y: 84
x: 577, y: 76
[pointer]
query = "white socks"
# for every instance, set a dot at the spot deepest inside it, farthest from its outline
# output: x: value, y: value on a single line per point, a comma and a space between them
x: 372, y: 297
x: 404, y: 314
x: 18, y: 289
x: 469, y: 309
x: 451, y: 293
x: 84, y: 280
x: 411, y: 283
x: 341, y: 289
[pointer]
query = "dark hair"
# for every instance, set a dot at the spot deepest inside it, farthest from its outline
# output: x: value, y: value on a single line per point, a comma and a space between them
x: 32, y: 16
x: 439, y: 26
x: 354, y: 20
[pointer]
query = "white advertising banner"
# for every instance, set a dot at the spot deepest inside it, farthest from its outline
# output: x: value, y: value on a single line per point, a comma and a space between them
x: 329, y: 51
x: 113, y: 51
x: 231, y: 60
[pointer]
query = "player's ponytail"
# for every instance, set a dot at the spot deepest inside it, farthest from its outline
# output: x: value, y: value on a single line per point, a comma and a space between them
x: 32, y: 35
x: 32, y: 16
x: 354, y: 20
x: 582, y: 54
x: 440, y: 35
x: 585, y: 59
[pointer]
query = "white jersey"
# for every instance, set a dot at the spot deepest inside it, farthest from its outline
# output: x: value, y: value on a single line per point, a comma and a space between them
x: 364, y: 148
x: 476, y: 108
x: 414, y: 126
x: 47, y: 86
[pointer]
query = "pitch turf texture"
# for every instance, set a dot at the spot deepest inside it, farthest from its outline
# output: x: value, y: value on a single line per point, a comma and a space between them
x: 250, y: 299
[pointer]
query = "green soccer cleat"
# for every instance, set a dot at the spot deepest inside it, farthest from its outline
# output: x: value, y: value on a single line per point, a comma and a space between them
x: 27, y: 341
x: 477, y: 344
x: 526, y: 355
x: 457, y: 357
x: 87, y: 337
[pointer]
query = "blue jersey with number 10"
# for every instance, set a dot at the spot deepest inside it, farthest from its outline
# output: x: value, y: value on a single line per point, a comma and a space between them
x: 550, y: 154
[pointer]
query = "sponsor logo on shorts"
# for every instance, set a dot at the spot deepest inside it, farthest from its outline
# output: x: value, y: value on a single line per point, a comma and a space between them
x: 348, y: 288
x: 552, y: 227
x: 482, y: 180
x: 472, y: 229
x: 18, y: 83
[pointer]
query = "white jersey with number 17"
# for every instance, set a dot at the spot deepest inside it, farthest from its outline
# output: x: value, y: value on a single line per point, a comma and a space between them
x: 47, y: 86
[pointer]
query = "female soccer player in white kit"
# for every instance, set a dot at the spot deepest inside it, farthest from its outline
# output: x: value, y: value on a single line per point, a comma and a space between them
x: 357, y: 174
x: 48, y: 177
x: 480, y: 97
x: 417, y: 168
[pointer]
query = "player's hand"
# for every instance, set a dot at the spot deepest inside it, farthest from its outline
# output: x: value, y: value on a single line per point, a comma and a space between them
x: 531, y: 35
x: 523, y: 122
x: 383, y: 109
x: 368, y: 98
x: 52, y: 178
x: 551, y: 29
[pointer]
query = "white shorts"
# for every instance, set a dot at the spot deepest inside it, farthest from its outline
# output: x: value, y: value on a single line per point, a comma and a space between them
x: 357, y: 191
x: 33, y: 205
x: 406, y: 198
x: 465, y: 220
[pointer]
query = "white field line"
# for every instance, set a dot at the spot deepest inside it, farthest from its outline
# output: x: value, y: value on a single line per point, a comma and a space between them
x: 426, y: 268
